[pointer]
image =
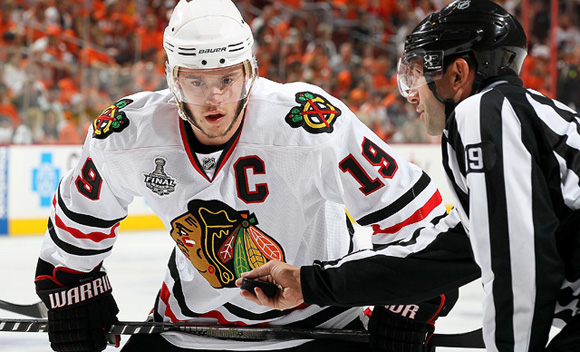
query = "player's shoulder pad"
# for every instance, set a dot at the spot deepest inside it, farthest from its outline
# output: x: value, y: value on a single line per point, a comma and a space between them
x: 129, y: 122
x: 300, y: 111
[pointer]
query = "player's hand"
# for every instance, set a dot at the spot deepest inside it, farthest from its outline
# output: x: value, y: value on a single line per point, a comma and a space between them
x: 286, y: 276
x: 408, y: 328
x: 81, y: 309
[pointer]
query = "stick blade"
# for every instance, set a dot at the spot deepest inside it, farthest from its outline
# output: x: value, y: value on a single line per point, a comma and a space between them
x: 471, y: 339
x: 36, y: 310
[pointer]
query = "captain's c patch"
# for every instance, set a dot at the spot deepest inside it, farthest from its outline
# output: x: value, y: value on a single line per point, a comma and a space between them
x: 315, y: 114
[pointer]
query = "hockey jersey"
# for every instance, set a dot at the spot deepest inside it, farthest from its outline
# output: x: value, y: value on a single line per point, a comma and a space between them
x: 512, y: 157
x: 276, y: 190
x: 512, y: 160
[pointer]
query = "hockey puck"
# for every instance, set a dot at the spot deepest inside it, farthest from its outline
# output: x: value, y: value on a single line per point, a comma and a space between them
x: 267, y: 287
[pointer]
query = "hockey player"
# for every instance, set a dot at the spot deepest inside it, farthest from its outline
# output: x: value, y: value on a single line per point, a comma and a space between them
x: 512, y: 156
x: 242, y: 171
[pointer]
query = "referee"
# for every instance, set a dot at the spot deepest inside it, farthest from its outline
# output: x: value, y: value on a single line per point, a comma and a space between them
x: 512, y: 156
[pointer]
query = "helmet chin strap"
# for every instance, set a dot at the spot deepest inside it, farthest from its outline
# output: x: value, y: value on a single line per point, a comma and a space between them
x: 476, y: 82
x: 448, y: 103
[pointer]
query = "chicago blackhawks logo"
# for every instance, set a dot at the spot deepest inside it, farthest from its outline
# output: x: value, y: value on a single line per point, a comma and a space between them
x: 222, y: 243
x: 158, y: 181
x: 315, y: 113
x: 111, y: 120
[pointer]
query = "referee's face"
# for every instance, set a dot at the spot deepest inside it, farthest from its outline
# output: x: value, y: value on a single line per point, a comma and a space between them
x: 431, y: 110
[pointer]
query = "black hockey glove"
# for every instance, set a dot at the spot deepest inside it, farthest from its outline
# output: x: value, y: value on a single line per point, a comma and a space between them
x: 408, y: 328
x: 80, y: 306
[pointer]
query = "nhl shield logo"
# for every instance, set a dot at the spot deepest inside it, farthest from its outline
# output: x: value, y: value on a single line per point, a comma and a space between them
x: 208, y: 163
x: 463, y: 4
x: 315, y: 114
x: 158, y: 181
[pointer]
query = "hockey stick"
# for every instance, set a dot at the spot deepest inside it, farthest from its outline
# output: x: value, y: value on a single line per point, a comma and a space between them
x: 471, y: 339
x: 36, y: 310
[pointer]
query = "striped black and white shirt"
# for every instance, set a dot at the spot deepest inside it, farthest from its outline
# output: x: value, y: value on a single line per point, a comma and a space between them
x: 512, y: 157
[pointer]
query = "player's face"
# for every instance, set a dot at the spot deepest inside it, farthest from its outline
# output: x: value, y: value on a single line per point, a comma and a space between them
x: 212, y: 99
x: 432, y: 111
x: 214, y: 124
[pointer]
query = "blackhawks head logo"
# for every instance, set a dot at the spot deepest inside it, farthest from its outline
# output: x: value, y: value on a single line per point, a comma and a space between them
x: 111, y: 120
x: 222, y: 243
x: 315, y: 113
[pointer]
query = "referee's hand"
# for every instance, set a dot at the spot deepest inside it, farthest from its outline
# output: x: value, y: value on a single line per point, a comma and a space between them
x: 285, y: 276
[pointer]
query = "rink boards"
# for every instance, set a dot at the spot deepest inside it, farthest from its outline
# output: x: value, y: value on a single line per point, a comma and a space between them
x: 29, y: 176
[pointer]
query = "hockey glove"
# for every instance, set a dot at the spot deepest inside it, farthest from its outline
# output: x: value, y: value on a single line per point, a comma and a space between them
x: 408, y: 328
x: 80, y: 306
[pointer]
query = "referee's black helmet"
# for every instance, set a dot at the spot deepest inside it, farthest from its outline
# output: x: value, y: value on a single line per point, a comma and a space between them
x: 482, y: 29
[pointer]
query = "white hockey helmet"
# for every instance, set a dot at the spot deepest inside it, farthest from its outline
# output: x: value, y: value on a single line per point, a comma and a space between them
x: 209, y: 37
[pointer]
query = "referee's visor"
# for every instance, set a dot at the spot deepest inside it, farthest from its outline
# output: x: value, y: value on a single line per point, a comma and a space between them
x: 414, y: 71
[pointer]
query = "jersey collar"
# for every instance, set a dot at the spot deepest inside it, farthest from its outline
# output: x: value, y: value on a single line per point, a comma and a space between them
x: 193, y: 146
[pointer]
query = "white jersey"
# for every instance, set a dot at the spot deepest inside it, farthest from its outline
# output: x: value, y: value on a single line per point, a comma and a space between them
x: 276, y: 190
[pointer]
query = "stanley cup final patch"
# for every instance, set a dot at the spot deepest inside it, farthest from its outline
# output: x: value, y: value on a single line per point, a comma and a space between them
x: 158, y: 181
x: 315, y: 113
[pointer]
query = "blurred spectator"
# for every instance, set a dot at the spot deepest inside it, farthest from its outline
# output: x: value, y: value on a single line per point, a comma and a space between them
x: 383, y: 79
x: 59, y: 57
x: 50, y: 45
x: 264, y: 25
x: 374, y: 114
x: 567, y: 34
x: 70, y: 133
x: 147, y: 76
x: 7, y: 108
x: 413, y: 131
x: 323, y: 39
x: 316, y: 68
x: 536, y: 75
x: 398, y: 113
x: 49, y: 100
x: 6, y: 129
x: 569, y: 91
x: 50, y: 128
x: 30, y: 130
x: 539, y: 29
x: 423, y: 9
x: 345, y: 59
x: 13, y: 74
x: 8, y: 26
x: 149, y: 35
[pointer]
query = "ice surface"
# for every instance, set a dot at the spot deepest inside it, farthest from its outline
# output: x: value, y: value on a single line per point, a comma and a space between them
x: 136, y: 270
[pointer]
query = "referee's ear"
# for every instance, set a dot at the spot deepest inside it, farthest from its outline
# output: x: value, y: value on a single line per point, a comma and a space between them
x: 461, y: 79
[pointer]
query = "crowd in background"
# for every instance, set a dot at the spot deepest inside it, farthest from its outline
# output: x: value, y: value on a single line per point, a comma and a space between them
x: 63, y: 62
